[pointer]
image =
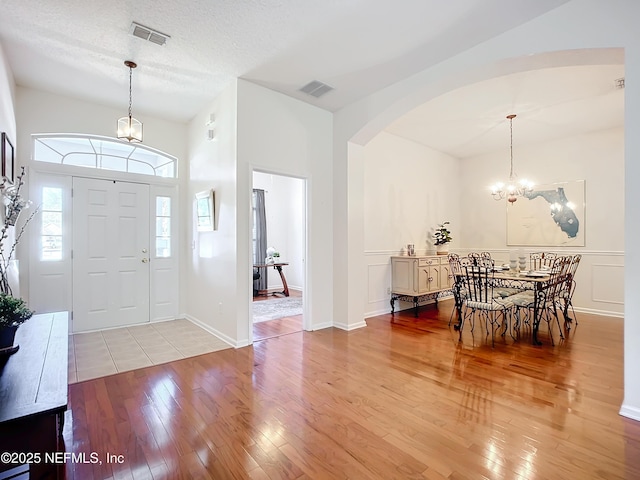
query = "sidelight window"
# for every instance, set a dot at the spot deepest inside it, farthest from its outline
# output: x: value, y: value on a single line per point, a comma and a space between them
x: 51, y: 229
x: 163, y: 226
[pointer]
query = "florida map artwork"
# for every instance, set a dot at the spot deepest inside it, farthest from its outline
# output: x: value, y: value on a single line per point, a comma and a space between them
x: 550, y: 215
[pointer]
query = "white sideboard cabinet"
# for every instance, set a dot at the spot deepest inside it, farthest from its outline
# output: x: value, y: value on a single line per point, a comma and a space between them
x: 419, y: 278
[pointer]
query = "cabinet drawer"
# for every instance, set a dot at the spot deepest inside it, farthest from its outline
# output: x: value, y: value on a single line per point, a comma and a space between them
x: 425, y: 262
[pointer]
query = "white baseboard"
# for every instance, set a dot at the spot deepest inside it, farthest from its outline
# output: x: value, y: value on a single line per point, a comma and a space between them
x: 321, y: 326
x: 630, y: 412
x: 215, y: 332
x: 351, y: 326
x: 602, y: 313
x: 375, y: 313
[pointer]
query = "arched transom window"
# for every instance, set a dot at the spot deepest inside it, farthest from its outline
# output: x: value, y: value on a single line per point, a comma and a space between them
x: 102, y: 153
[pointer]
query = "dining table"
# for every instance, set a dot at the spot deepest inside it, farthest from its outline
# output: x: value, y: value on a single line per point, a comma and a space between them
x: 538, y: 281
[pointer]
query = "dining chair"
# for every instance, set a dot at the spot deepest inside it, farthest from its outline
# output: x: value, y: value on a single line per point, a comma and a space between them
x: 484, y: 260
x: 539, y: 260
x: 455, y: 270
x: 456, y: 264
x: 525, y: 301
x: 479, y: 282
x: 566, y: 295
x: 481, y: 259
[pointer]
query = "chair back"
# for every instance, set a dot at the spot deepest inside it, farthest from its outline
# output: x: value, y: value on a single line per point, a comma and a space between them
x: 478, y: 282
x: 570, y: 284
x: 454, y: 264
x: 541, y: 259
x: 481, y: 259
x: 558, y: 276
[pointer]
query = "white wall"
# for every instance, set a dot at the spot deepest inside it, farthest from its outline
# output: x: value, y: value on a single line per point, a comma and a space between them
x: 597, y: 158
x: 210, y: 285
x: 545, y: 41
x: 284, y: 209
x: 272, y: 133
x: 8, y: 125
x: 7, y: 98
x: 282, y: 135
x: 408, y: 190
x: 43, y: 112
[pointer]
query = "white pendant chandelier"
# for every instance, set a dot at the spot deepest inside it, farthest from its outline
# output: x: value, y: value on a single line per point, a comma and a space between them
x: 514, y: 188
x: 129, y: 128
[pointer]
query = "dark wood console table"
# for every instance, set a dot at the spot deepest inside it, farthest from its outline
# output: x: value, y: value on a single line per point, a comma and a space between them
x: 278, y: 267
x: 33, y: 394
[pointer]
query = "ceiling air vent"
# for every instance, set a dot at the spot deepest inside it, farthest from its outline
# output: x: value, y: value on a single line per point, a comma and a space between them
x: 148, y: 34
x: 316, y: 89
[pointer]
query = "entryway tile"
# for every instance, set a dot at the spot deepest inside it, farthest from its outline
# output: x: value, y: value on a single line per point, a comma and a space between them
x: 97, y: 354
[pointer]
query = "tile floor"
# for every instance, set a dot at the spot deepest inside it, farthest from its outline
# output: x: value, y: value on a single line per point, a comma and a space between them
x: 96, y: 354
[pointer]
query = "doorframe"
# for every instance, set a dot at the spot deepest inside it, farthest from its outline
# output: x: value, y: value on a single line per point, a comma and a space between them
x: 306, y: 298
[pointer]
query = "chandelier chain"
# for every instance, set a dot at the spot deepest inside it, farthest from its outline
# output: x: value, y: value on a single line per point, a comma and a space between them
x: 130, y: 76
x: 129, y: 128
x: 513, y: 189
x: 510, y: 144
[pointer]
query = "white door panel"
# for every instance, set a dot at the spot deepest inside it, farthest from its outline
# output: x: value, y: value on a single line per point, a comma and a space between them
x: 110, y: 254
x: 49, y: 278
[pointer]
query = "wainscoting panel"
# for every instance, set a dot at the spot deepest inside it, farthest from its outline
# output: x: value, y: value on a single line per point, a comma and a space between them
x: 608, y: 283
x: 378, y: 270
x: 599, y: 279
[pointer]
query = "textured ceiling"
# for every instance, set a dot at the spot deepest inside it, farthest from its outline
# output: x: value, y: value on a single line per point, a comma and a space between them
x: 77, y: 47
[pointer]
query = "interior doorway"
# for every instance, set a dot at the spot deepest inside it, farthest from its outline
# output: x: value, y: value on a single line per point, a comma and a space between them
x: 279, y: 229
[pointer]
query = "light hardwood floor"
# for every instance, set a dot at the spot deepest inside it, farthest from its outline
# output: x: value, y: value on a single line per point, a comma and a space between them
x: 401, y: 398
x: 277, y: 327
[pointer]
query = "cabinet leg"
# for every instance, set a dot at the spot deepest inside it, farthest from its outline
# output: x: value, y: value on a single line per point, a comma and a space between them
x: 393, y: 303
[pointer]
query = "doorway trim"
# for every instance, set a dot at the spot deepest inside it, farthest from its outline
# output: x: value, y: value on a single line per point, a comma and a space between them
x: 306, y: 297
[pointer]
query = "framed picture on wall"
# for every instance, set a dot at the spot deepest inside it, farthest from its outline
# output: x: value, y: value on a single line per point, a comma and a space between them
x: 7, y: 158
x: 205, y: 211
x: 551, y: 215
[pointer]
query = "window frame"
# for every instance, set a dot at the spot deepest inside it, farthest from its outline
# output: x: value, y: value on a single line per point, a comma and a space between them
x: 129, y: 150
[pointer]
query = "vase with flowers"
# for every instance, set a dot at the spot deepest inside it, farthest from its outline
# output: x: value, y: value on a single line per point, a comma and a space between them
x: 13, y: 310
x: 441, y: 238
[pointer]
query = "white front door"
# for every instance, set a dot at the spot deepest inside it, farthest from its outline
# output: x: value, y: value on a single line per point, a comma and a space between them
x: 110, y: 254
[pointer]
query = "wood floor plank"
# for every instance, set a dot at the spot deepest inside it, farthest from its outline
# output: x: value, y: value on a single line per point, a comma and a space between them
x: 404, y: 397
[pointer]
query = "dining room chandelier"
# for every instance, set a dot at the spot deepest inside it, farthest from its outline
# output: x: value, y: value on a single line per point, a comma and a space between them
x: 514, y: 188
x: 129, y: 128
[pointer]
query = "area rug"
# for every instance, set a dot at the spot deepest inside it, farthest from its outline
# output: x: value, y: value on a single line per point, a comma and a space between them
x: 277, y: 308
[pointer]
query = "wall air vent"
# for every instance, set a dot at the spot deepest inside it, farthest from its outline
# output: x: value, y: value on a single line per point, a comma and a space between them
x: 316, y: 89
x: 148, y: 34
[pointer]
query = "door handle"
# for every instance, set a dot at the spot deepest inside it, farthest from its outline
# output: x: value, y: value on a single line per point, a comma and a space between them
x: 145, y: 260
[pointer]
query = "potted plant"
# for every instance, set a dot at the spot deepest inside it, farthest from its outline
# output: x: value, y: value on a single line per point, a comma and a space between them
x: 13, y: 313
x: 441, y: 237
x: 13, y: 310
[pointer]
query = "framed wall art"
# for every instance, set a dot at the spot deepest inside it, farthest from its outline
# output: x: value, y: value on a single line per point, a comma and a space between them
x: 551, y: 215
x: 205, y: 211
x: 7, y: 158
